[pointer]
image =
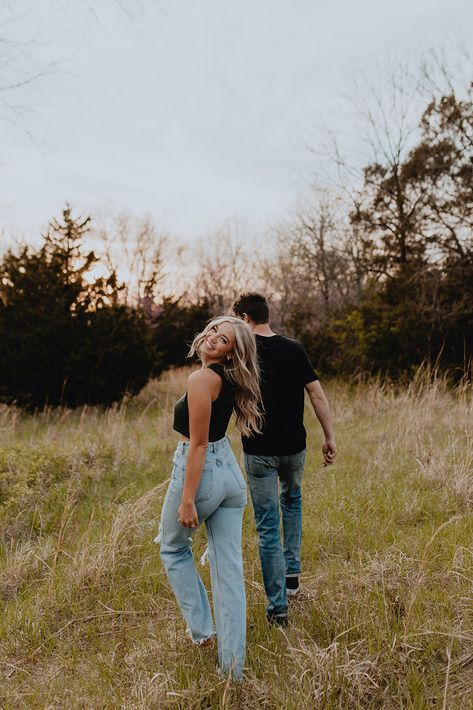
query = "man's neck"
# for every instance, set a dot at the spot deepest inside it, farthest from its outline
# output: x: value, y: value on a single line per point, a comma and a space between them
x: 262, y: 329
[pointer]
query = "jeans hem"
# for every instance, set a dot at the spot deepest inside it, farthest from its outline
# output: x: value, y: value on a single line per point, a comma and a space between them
x: 202, y: 641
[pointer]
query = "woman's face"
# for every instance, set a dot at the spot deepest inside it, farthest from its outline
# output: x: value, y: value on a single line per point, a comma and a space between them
x: 219, y: 342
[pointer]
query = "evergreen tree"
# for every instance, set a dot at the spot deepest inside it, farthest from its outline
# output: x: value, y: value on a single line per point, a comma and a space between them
x: 64, y: 338
x: 174, y: 327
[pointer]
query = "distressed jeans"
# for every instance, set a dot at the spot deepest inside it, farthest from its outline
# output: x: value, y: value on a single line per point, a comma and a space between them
x: 264, y: 474
x: 220, y: 502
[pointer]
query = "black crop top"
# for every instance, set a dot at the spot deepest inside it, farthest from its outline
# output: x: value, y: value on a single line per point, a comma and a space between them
x: 222, y: 409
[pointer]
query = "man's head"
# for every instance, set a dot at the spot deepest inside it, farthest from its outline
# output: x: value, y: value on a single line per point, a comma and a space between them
x: 254, y: 306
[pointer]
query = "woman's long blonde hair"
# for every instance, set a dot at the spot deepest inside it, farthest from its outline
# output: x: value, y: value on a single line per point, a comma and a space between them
x: 242, y: 370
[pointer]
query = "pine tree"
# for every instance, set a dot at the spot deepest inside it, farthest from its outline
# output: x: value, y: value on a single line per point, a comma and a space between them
x: 64, y: 338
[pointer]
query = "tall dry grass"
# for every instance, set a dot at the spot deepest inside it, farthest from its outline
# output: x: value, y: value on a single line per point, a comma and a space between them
x: 385, y: 617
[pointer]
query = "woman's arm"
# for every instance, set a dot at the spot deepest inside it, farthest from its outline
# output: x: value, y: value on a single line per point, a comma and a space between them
x: 202, y: 388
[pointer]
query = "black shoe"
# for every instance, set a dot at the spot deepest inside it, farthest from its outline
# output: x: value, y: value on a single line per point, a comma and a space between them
x: 292, y: 586
x: 276, y: 619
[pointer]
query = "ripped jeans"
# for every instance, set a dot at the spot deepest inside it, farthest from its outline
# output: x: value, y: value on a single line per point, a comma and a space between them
x: 220, y: 502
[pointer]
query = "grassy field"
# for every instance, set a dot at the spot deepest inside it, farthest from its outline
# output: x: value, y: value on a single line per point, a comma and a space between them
x: 386, y: 615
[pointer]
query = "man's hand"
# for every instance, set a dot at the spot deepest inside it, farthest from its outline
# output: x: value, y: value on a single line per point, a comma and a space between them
x: 329, y: 450
x: 187, y: 515
x: 322, y: 412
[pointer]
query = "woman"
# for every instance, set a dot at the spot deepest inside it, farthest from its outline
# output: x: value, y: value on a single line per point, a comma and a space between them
x: 207, y: 486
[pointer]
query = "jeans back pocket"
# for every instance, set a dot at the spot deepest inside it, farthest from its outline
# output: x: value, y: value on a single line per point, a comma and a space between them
x: 237, y: 474
x: 205, y: 489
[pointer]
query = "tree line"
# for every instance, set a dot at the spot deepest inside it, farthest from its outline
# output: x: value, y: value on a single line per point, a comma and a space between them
x: 68, y: 338
x: 388, y: 273
x: 374, y: 275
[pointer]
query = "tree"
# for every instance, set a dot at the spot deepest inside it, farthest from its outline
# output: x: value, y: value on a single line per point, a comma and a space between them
x: 318, y: 269
x: 411, y: 221
x: 390, y: 213
x: 223, y: 267
x: 136, y: 249
x: 386, y: 212
x: 408, y: 173
x: 175, y: 324
x: 65, y: 339
x: 420, y: 209
x: 442, y: 163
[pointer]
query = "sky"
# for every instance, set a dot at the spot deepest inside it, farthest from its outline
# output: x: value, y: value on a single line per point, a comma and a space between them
x: 196, y: 112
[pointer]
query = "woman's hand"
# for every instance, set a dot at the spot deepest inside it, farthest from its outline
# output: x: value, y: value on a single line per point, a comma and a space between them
x: 187, y: 514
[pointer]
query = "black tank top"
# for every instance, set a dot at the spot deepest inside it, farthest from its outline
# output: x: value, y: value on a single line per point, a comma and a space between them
x: 222, y: 409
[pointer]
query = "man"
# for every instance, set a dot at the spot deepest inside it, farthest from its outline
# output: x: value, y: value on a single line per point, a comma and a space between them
x: 278, y: 453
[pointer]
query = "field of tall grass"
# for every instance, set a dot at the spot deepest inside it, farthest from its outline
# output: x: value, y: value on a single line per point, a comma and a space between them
x: 385, y: 618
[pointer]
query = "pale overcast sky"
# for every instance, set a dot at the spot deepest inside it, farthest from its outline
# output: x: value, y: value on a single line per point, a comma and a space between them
x: 194, y: 111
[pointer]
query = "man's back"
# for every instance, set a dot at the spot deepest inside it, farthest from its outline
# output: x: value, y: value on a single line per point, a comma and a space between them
x: 274, y: 460
x: 285, y: 370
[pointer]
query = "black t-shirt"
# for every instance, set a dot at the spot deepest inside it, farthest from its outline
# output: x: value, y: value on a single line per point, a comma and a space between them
x: 285, y: 369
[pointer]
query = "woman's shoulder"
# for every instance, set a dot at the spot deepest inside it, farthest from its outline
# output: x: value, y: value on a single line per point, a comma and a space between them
x: 218, y: 368
x: 203, y: 378
x: 211, y: 380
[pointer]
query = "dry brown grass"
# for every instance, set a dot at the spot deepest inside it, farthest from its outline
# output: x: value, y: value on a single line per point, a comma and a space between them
x: 385, y: 619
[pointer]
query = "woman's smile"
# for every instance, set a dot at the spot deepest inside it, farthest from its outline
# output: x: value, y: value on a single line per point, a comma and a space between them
x: 219, y: 341
x: 209, y: 343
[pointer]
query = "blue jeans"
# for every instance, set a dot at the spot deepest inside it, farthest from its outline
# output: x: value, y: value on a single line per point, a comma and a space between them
x: 220, y: 502
x: 264, y: 473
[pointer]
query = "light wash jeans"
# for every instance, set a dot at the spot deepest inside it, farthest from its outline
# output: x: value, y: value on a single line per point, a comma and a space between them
x: 264, y: 473
x: 220, y: 502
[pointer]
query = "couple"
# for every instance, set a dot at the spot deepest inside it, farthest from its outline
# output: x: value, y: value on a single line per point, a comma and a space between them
x: 207, y: 484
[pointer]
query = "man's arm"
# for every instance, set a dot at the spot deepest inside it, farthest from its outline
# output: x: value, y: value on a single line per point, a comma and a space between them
x: 322, y: 412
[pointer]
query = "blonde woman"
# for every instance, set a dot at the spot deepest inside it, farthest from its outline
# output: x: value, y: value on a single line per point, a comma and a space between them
x: 207, y: 487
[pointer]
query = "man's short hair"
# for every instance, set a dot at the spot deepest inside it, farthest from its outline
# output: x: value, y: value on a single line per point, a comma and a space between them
x: 254, y: 305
